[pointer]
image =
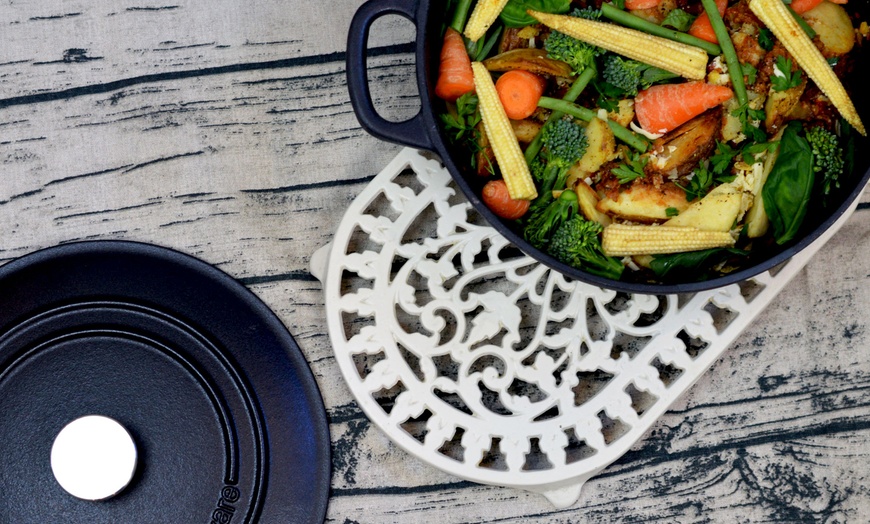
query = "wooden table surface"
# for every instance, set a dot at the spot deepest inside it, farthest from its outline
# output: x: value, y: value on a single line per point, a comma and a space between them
x: 223, y: 129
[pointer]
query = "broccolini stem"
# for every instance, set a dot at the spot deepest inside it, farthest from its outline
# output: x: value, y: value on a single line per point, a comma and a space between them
x: 636, y: 22
x: 735, y: 71
x: 486, y: 47
x: 630, y: 138
x: 573, y: 93
x: 460, y: 16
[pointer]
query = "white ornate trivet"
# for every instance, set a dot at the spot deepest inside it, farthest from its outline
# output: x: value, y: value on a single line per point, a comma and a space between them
x: 488, y: 365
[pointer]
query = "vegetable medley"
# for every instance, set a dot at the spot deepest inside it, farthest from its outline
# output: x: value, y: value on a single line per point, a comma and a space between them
x: 653, y: 139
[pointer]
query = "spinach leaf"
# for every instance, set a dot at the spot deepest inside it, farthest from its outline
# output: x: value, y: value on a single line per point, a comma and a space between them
x: 787, y: 190
x: 679, y: 20
x: 514, y: 13
x: 693, y: 263
x: 765, y: 39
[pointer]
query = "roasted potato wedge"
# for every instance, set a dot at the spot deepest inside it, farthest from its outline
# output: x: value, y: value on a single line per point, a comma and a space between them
x: 644, y: 202
x: 600, y: 147
x: 717, y: 211
x: 526, y: 130
x: 832, y: 24
x: 624, y: 113
x: 756, y: 223
x: 680, y: 150
x: 780, y: 104
x: 588, y: 200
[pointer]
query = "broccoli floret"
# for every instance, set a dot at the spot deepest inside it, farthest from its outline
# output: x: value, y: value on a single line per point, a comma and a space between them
x: 579, y: 55
x: 828, y: 156
x: 630, y: 75
x: 577, y: 244
x: 546, y: 219
x: 564, y: 143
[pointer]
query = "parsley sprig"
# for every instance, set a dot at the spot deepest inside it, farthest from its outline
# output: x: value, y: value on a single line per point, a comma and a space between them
x: 461, y: 126
x: 783, y: 77
x: 750, y: 120
x: 717, y: 170
x: 632, y: 169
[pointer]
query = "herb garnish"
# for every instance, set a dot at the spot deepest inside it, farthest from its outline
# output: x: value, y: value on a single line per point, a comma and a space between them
x: 632, y: 169
x: 783, y: 77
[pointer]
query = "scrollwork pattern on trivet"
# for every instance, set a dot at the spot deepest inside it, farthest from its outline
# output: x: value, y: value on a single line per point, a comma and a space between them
x: 491, y: 366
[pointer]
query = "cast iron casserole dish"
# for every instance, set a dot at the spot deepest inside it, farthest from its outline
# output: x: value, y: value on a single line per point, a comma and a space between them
x: 424, y: 131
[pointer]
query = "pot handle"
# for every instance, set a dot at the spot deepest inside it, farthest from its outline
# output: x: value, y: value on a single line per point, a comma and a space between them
x: 411, y: 132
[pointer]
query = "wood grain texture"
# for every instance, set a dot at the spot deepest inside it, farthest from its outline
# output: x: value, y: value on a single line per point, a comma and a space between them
x: 223, y: 129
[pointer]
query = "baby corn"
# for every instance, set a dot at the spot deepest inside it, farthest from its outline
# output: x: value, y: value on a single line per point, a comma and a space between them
x: 782, y: 24
x: 619, y: 240
x: 484, y: 14
x: 502, y: 139
x: 681, y: 59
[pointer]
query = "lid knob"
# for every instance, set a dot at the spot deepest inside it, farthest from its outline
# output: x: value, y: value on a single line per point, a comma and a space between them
x: 93, y: 457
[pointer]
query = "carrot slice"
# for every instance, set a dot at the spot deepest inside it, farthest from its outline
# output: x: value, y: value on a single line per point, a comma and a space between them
x: 519, y: 92
x: 662, y: 108
x: 641, y: 4
x: 802, y: 6
x: 702, y: 28
x: 496, y: 197
x: 454, y: 73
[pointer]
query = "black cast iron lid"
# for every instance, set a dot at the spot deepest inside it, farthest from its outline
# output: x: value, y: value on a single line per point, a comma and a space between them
x: 227, y: 420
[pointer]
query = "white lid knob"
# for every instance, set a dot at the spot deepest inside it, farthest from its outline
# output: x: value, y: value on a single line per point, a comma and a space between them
x: 93, y: 458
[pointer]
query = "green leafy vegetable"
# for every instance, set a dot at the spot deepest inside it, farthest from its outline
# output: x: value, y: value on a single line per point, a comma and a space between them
x: 671, y: 212
x: 783, y: 77
x: 577, y: 244
x: 721, y: 161
x: 751, y: 150
x: 695, y: 264
x: 632, y: 168
x: 789, y: 186
x: 699, y: 184
x: 679, y: 20
x: 749, y: 72
x: 765, y: 39
x: 461, y: 125
x: 608, y: 95
x: 514, y: 12
x: 750, y: 120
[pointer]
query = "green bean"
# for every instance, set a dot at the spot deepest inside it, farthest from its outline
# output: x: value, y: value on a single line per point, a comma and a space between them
x: 735, y: 70
x: 460, y: 16
x: 636, y: 22
x: 569, y: 108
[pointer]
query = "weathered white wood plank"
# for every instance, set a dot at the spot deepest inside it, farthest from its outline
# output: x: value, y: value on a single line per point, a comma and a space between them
x: 54, y: 46
x: 252, y: 169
